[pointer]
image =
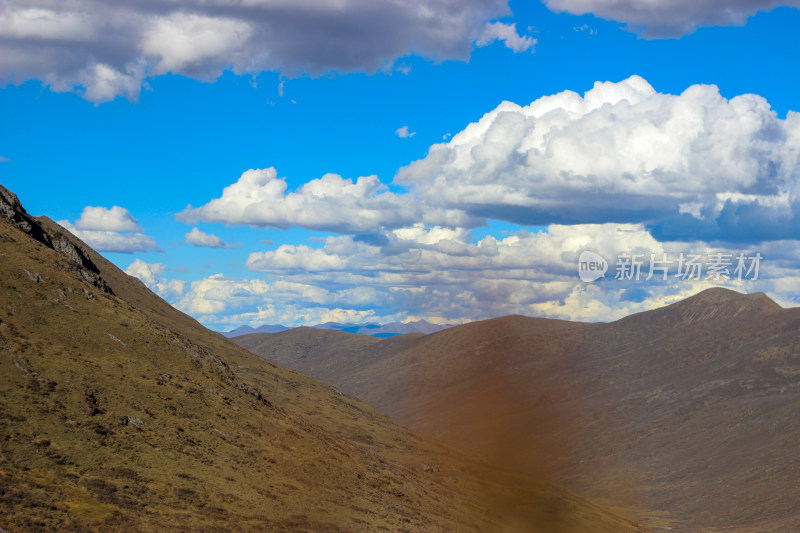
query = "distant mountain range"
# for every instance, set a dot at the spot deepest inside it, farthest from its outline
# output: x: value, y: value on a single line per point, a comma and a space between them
x: 693, y: 410
x: 376, y: 330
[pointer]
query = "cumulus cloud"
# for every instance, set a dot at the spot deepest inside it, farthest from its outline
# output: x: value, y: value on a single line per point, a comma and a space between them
x: 292, y: 315
x: 295, y: 257
x: 444, y: 274
x: 330, y: 203
x: 419, y: 254
x: 215, y: 294
x: 403, y: 132
x: 221, y: 301
x: 200, y: 238
x: 669, y: 18
x: 691, y: 165
x: 110, y: 230
x: 110, y: 241
x: 622, y: 169
x: 694, y: 164
x: 441, y: 272
x: 507, y: 34
x: 152, y: 275
x: 103, y: 49
x: 102, y: 219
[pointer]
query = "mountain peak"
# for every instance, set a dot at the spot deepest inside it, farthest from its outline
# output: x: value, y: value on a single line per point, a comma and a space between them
x: 720, y: 296
x: 715, y: 303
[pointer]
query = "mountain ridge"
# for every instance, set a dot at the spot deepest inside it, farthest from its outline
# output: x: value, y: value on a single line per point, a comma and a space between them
x: 715, y: 303
x: 666, y: 406
x: 121, y: 413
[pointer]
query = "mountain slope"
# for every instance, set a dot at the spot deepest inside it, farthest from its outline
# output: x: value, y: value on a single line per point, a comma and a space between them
x: 691, y: 410
x: 120, y: 413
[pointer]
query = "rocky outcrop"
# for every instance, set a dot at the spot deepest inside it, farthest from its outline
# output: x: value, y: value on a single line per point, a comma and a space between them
x: 11, y: 208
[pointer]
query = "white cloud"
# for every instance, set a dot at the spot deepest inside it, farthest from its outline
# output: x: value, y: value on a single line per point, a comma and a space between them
x: 191, y: 43
x: 507, y: 33
x: 152, y: 275
x: 624, y: 153
x: 292, y: 316
x: 420, y: 234
x: 216, y: 300
x: 693, y: 165
x: 199, y: 238
x: 295, y: 257
x: 584, y: 28
x: 439, y: 272
x: 110, y: 230
x: 111, y: 241
x: 103, y: 49
x: 102, y: 83
x: 669, y: 18
x: 330, y: 203
x: 403, y: 132
x: 418, y: 254
x: 215, y: 294
x: 102, y: 219
x: 443, y: 274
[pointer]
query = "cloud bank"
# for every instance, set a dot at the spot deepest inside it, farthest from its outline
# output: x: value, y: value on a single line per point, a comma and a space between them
x: 688, y: 166
x: 103, y: 48
x: 669, y: 18
x: 441, y: 274
x: 621, y: 169
x: 330, y: 203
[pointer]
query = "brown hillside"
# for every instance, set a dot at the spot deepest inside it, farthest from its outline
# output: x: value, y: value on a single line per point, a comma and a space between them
x: 692, y: 410
x: 118, y: 413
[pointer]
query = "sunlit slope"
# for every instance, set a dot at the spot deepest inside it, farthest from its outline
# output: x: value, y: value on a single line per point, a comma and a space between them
x: 118, y: 413
x: 692, y: 410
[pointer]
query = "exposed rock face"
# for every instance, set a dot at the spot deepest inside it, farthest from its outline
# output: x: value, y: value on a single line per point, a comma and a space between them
x: 11, y: 208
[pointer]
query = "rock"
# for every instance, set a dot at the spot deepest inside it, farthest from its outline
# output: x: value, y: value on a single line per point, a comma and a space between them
x: 11, y: 208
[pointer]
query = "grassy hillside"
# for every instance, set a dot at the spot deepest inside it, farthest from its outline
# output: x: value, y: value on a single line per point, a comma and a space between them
x: 118, y: 413
x: 692, y: 410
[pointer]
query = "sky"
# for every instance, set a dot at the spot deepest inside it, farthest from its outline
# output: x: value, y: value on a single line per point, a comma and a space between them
x: 265, y: 161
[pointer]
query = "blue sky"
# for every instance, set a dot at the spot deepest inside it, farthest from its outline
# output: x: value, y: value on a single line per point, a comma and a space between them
x: 154, y: 111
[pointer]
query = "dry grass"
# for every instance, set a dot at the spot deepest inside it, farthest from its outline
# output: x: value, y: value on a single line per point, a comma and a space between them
x: 689, y: 413
x: 121, y: 414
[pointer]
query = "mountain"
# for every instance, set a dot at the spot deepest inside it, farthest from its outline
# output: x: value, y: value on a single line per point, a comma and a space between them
x: 401, y: 328
x: 376, y: 330
x: 246, y: 330
x: 692, y: 410
x: 119, y: 413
